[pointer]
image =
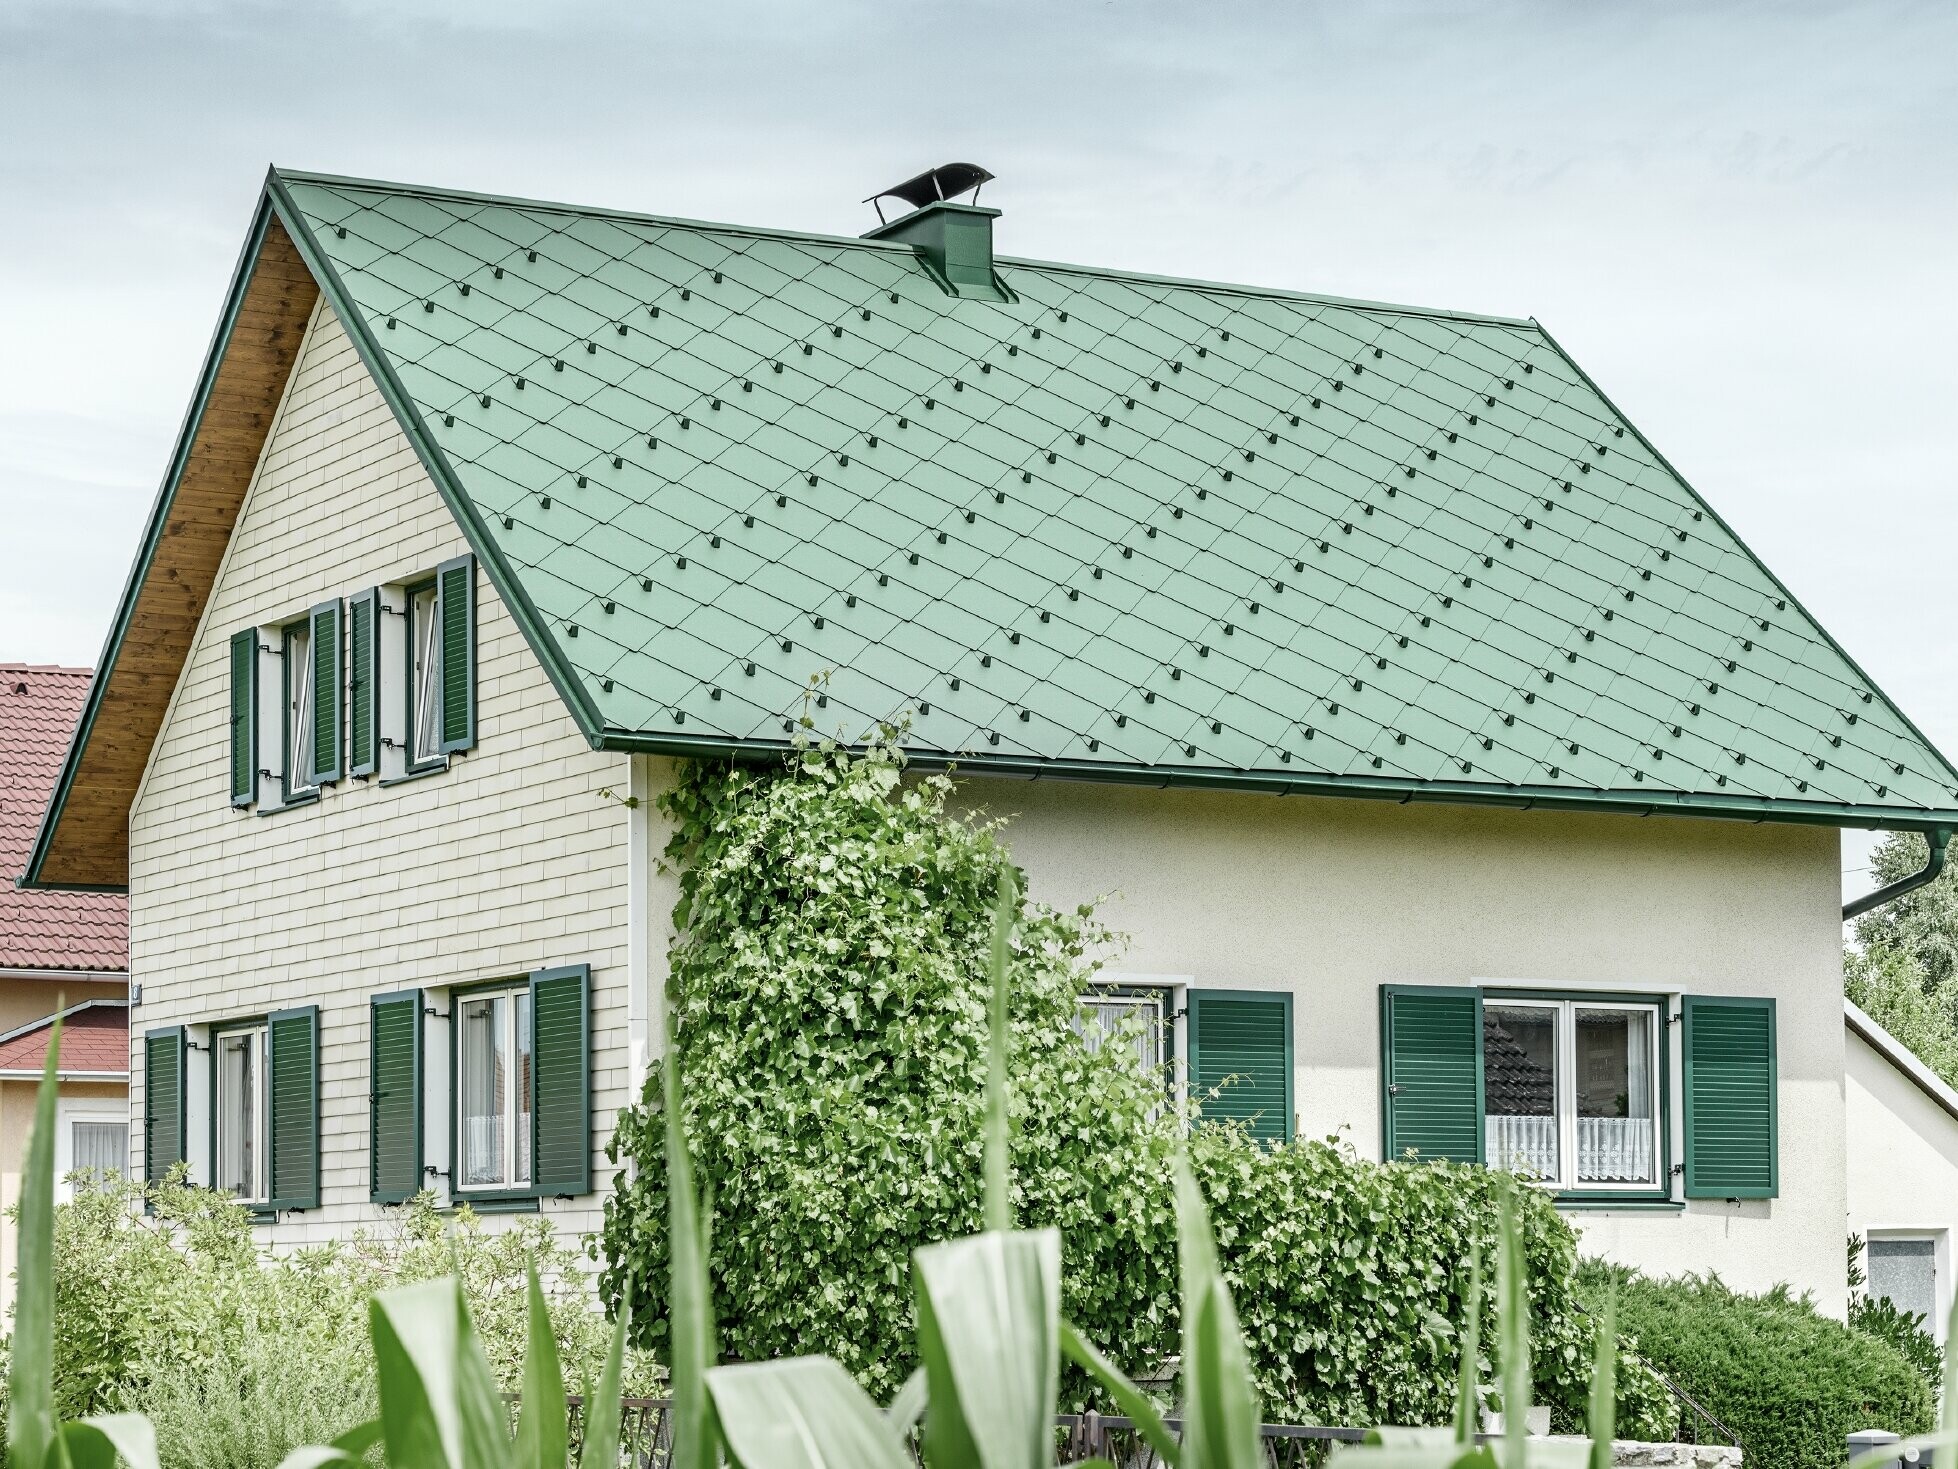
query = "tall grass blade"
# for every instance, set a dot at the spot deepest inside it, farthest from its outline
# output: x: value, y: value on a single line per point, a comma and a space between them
x: 96, y: 1443
x: 30, y: 1367
x: 999, y: 1199
x: 802, y: 1413
x: 1130, y: 1400
x: 1513, y: 1331
x: 543, y: 1425
x: 1602, y: 1420
x: 909, y: 1404
x: 690, y: 1295
x: 604, y: 1404
x: 1467, y: 1405
x: 989, y: 1332
x: 439, y: 1403
x: 1220, y: 1405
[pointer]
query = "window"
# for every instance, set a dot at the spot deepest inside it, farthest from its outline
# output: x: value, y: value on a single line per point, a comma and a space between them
x: 299, y: 710
x: 242, y: 1138
x: 1904, y: 1271
x: 495, y: 1086
x: 424, y: 676
x: 1131, y: 1016
x: 1571, y: 1091
x: 91, y: 1142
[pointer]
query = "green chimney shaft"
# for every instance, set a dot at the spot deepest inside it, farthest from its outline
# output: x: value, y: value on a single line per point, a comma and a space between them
x: 955, y: 241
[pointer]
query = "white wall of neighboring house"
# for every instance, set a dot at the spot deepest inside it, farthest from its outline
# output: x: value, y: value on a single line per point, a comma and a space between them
x: 1335, y: 898
x: 1903, y: 1151
x: 514, y: 859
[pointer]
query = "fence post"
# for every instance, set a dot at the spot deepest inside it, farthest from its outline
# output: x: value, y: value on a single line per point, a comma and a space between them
x: 1868, y: 1440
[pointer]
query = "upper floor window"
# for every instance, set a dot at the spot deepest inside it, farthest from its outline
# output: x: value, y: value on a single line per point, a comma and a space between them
x: 299, y: 705
x: 424, y: 674
x: 1571, y: 1090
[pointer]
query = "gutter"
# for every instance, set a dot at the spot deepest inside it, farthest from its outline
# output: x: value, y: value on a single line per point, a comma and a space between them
x: 1938, y: 839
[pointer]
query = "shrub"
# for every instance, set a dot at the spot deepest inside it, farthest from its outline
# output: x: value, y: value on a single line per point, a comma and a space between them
x: 1790, y: 1382
x: 828, y: 997
x: 238, y: 1354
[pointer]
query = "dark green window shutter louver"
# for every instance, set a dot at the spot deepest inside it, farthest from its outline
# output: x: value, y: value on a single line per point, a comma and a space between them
x: 394, y: 1140
x: 163, y: 1101
x: 1731, y: 1137
x: 1241, y: 1041
x: 244, y: 716
x: 363, y: 686
x: 1431, y: 1073
x: 325, y: 754
x: 560, y: 1019
x: 455, y: 595
x: 293, y: 1091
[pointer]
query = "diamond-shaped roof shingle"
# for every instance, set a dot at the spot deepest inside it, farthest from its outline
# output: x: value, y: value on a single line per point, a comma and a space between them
x: 1122, y: 523
x: 46, y: 930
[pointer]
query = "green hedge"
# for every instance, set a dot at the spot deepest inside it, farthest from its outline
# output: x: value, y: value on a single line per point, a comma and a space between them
x: 1790, y: 1382
x: 829, y: 992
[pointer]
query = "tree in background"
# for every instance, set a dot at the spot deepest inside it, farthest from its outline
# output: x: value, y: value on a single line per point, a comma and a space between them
x: 1904, y: 970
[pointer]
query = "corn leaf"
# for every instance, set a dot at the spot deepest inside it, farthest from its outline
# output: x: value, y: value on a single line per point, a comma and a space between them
x: 96, y: 1443
x: 1602, y: 1419
x: 801, y: 1413
x: 604, y: 1404
x: 30, y: 1367
x: 348, y: 1451
x: 989, y: 1333
x: 909, y: 1404
x: 1220, y: 1406
x: 439, y: 1403
x: 543, y: 1428
x: 692, y: 1301
x: 999, y: 1197
x: 1467, y: 1405
x: 1513, y: 1331
x: 1131, y: 1400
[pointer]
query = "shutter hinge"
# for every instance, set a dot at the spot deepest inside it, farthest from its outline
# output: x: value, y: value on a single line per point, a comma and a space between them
x: 1395, y: 1090
x: 437, y: 1014
x: 1678, y: 1169
x: 392, y: 611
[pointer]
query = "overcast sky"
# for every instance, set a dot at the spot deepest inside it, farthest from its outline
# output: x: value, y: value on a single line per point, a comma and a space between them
x: 1740, y: 218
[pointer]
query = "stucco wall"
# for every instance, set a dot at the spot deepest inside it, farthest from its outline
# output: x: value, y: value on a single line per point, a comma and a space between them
x: 23, y: 1001
x: 1334, y: 898
x: 17, y: 1102
x: 1903, y: 1159
x: 514, y: 859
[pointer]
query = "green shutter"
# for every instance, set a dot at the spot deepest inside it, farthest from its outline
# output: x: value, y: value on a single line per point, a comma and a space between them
x: 1431, y: 1073
x: 325, y: 754
x: 1729, y: 1051
x: 1241, y: 1041
x: 293, y: 1090
x: 363, y: 686
x: 244, y: 716
x: 394, y: 1135
x: 163, y: 1100
x: 455, y: 598
x: 560, y: 1113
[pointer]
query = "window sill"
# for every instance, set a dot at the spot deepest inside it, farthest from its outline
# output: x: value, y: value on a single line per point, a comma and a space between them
x: 419, y: 773
x: 495, y: 1204
x: 310, y: 798
x: 1628, y: 1202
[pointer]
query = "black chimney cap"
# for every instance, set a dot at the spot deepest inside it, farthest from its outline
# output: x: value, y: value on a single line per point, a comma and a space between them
x: 947, y: 181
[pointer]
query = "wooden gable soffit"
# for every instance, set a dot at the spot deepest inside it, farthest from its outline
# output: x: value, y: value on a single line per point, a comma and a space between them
x: 84, y: 837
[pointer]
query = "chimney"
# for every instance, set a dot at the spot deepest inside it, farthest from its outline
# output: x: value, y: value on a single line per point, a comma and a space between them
x: 954, y: 241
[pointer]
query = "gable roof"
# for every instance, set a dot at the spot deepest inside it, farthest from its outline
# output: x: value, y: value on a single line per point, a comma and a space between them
x: 94, y: 1042
x: 39, y: 704
x: 1122, y: 527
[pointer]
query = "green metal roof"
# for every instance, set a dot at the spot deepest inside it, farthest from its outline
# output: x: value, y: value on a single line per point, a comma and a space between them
x: 1123, y: 527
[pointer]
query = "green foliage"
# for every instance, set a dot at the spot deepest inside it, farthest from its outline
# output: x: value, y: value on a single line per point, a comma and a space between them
x: 1883, y: 1319
x: 1921, y: 926
x: 1892, y: 989
x: 1790, y: 1382
x: 237, y: 1354
x: 830, y: 1009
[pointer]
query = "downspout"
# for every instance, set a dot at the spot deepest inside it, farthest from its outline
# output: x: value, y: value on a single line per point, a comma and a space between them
x: 1939, y: 837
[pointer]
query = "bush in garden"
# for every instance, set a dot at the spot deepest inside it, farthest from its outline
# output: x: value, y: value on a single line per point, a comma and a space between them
x: 238, y: 1354
x: 829, y: 992
x: 1790, y: 1382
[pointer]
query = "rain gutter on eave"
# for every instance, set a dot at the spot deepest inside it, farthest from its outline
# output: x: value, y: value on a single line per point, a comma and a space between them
x: 556, y: 666
x: 1938, y: 838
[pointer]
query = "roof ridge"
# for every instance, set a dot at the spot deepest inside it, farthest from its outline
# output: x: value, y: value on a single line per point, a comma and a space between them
x: 511, y: 201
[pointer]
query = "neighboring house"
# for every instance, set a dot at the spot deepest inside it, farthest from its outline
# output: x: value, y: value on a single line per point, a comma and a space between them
x: 1903, y: 1169
x: 59, y: 951
x: 488, y: 511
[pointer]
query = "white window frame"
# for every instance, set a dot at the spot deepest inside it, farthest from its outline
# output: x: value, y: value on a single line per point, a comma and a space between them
x: 517, y: 1098
x: 423, y: 659
x: 1175, y: 989
x: 1940, y: 1270
x: 260, y: 1120
x: 68, y: 1112
x: 1565, y: 1010
x: 300, y: 702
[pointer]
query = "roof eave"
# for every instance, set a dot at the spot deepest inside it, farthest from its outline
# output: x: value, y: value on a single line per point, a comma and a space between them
x: 1352, y: 787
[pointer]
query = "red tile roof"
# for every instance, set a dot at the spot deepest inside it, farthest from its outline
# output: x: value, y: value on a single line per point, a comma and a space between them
x: 94, y: 1037
x: 46, y: 930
